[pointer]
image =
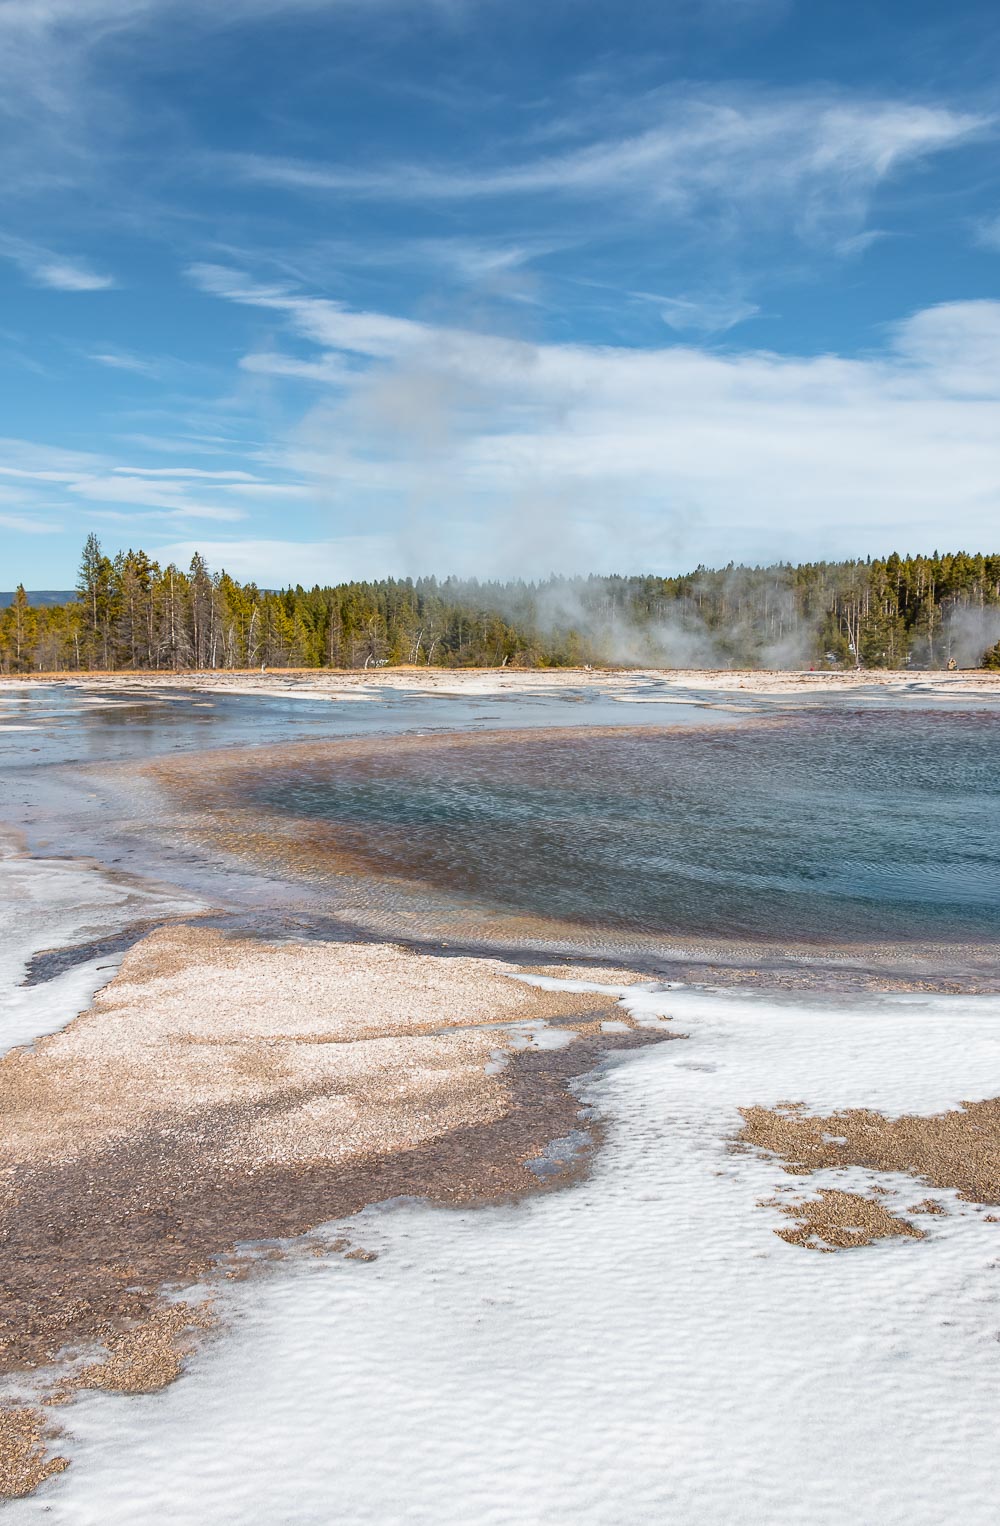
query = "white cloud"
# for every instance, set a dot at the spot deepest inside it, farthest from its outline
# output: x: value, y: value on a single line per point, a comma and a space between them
x: 149, y: 494
x: 62, y: 275
x: 118, y: 360
x: 23, y: 525
x: 44, y: 268
x: 68, y: 104
x: 812, y: 157
x: 46, y: 45
x: 703, y: 315
x: 331, y: 371
x: 92, y: 486
x: 478, y: 261
x: 184, y: 471
x: 957, y: 342
x: 35, y: 16
x: 278, y: 563
x: 51, y: 463
x: 492, y: 454
x: 858, y: 243
x: 359, y: 332
x: 19, y: 501
x: 184, y: 444
x: 280, y: 491
x: 988, y: 233
x: 37, y: 476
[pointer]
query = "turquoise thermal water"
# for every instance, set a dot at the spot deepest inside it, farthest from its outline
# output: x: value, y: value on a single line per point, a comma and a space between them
x: 847, y: 825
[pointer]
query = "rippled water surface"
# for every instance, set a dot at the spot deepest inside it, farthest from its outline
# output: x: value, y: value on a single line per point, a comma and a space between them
x: 834, y: 821
x: 849, y: 825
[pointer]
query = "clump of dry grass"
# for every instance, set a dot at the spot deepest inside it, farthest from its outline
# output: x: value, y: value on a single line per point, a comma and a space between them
x: 927, y: 1205
x: 24, y: 1459
x: 837, y: 1220
x: 151, y: 1355
x: 959, y: 1149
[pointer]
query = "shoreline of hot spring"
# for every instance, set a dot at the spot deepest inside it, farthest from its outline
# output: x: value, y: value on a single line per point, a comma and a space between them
x: 327, y: 683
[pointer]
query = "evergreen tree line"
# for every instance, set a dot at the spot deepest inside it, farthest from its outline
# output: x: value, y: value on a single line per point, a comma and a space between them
x: 131, y: 613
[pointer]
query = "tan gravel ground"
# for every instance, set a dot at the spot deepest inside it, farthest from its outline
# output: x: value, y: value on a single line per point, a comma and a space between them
x: 368, y: 1047
x: 223, y: 1092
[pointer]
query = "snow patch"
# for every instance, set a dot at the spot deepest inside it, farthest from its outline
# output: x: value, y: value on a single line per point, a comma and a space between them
x: 55, y: 903
x: 640, y: 1348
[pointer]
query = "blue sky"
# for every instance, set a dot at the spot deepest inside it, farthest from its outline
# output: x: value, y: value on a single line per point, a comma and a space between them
x: 336, y: 288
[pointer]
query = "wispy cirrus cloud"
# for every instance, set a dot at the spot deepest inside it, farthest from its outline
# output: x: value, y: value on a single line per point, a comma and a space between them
x: 66, y: 275
x: 28, y: 526
x: 27, y: 459
x: 365, y: 333
x: 330, y: 371
x: 44, y: 268
x: 152, y: 496
x: 20, y: 511
x: 48, y: 47
x: 93, y: 487
x: 816, y: 158
x: 988, y: 233
x: 68, y: 103
x: 185, y: 472
x: 41, y: 16
x: 709, y: 313
x: 120, y: 360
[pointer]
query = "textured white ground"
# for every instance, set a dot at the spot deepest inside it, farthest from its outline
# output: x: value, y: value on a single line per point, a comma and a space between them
x: 52, y: 903
x: 360, y: 684
x: 639, y: 1349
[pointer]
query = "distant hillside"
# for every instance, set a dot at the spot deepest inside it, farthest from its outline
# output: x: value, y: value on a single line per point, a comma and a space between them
x: 38, y: 597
